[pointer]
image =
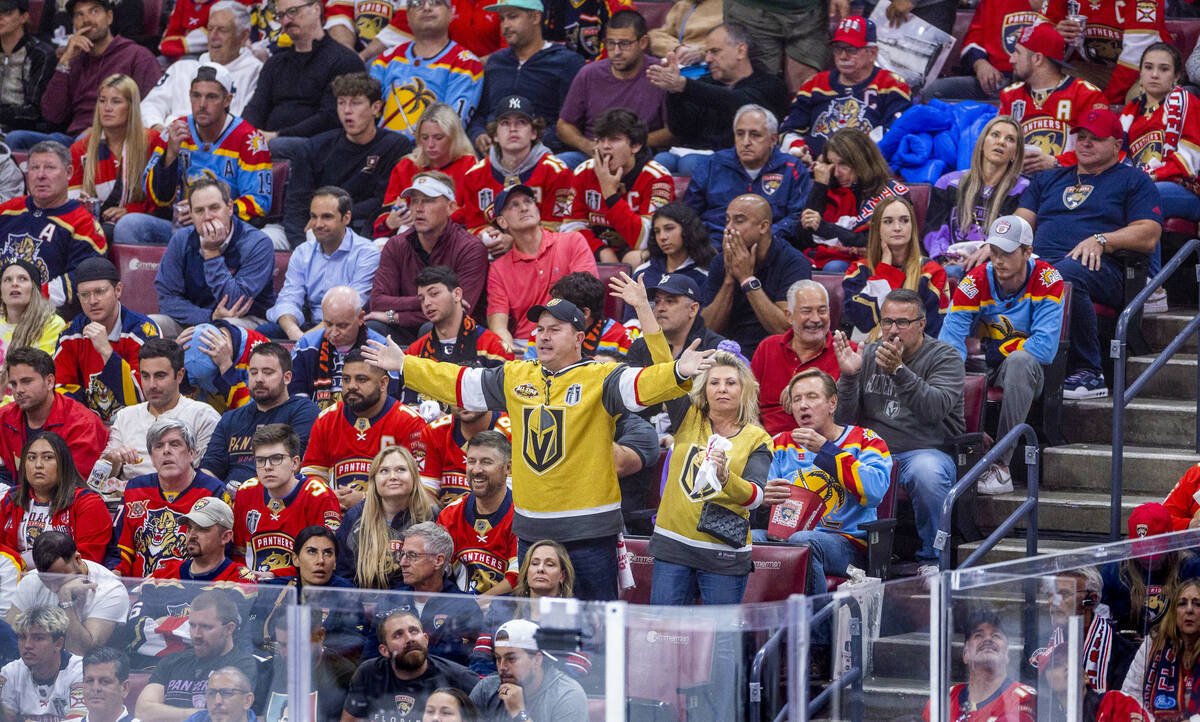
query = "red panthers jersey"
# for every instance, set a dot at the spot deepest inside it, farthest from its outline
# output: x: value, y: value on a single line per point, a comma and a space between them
x: 485, y: 548
x: 1047, y: 124
x: 994, y: 30
x: 549, y: 178
x: 1164, y: 141
x: 444, y: 471
x: 266, y: 527
x: 1015, y: 702
x: 627, y: 223
x: 342, y: 445
x: 1117, y: 33
x: 151, y: 525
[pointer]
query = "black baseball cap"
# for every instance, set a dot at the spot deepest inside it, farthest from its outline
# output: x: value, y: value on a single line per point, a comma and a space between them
x: 560, y: 309
x: 510, y: 104
x: 7, y: 6
x: 677, y: 284
x: 106, y: 4
x: 96, y: 268
x: 503, y: 196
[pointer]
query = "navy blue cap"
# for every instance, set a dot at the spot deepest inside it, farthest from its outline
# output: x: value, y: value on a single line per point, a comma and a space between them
x: 503, y: 196
x: 518, y: 104
x: 560, y: 309
x: 677, y: 284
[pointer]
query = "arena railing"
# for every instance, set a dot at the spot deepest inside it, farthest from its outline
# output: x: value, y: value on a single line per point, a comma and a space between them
x: 1123, y: 395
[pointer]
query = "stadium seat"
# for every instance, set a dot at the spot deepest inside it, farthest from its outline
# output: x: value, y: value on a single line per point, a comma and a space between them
x: 681, y: 184
x: 137, y: 682
x: 19, y: 157
x: 670, y: 661
x: 837, y: 296
x: 281, y: 263
x: 1184, y: 33
x: 35, y: 12
x: 279, y: 179
x: 137, y: 266
x: 779, y: 571
x: 152, y: 21
x: 919, y: 194
x: 962, y: 21
x: 614, y: 307
x: 654, y: 12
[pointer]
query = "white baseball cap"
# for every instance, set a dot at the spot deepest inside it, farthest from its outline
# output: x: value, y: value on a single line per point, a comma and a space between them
x: 1008, y: 233
x: 429, y: 186
x: 520, y: 634
x: 215, y: 73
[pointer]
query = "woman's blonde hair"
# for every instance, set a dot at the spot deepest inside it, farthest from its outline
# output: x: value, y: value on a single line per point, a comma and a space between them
x: 450, y: 124
x: 136, y: 150
x: 566, y: 586
x: 32, y: 325
x: 1132, y: 573
x: 747, y: 407
x: 858, y: 151
x: 970, y: 185
x: 1168, y: 629
x: 376, y: 560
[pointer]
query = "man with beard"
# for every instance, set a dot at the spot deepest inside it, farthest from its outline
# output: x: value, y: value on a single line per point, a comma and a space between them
x: 269, y: 372
x: 444, y: 470
x: 178, y: 686
x: 395, y: 685
x: 526, y: 686
x: 480, y: 523
x: 989, y: 694
x: 149, y: 521
x: 348, y: 435
x: 1106, y: 653
x: 807, y: 344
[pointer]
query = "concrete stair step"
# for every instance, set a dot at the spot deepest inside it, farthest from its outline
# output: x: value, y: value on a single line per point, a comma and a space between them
x: 1148, y: 422
x: 1176, y: 380
x: 1014, y: 548
x: 1087, y: 467
x: 1075, y: 511
x: 1160, y: 328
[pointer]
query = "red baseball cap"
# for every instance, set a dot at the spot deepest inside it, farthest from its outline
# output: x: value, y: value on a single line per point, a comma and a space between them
x: 1102, y: 122
x: 855, y: 31
x: 1043, y: 38
x: 1149, y: 519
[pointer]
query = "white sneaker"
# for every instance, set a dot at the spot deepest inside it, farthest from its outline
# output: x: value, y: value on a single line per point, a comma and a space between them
x: 1157, y: 303
x: 995, y: 480
x: 928, y: 570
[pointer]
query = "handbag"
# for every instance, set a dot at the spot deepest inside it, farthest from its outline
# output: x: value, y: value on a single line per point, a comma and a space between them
x: 724, y: 524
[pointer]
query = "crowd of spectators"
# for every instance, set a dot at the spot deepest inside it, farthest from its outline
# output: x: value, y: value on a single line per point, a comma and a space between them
x: 439, y: 401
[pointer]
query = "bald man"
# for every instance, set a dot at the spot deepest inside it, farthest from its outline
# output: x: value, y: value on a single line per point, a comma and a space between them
x: 333, y: 255
x: 318, y: 356
x: 746, y: 296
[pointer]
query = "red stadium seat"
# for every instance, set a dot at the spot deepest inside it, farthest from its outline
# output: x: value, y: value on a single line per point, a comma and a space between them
x: 279, y: 178
x: 137, y: 682
x: 670, y: 660
x: 152, y: 22
x: 1184, y: 33
x: 614, y: 308
x: 779, y: 571
x: 138, y: 265
x: 974, y: 388
x: 654, y: 12
x: 1180, y: 225
x: 919, y: 193
x: 681, y: 184
x: 962, y: 20
x: 837, y: 296
x: 35, y: 12
x: 281, y: 263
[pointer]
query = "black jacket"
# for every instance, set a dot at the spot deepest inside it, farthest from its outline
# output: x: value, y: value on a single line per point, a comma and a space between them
x: 639, y: 355
x: 702, y: 115
x: 293, y: 97
x: 35, y: 74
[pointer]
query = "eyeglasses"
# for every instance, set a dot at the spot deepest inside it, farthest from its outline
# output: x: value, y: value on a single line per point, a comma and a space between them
x: 621, y: 44
x: 272, y: 460
x: 900, y: 323
x: 413, y: 556
x: 841, y: 49
x: 224, y: 692
x: 292, y: 13
x: 416, y: 4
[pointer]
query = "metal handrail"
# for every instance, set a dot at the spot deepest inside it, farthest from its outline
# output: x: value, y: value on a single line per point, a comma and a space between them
x: 756, y: 668
x: 852, y: 677
x: 1028, y: 508
x: 1122, y: 396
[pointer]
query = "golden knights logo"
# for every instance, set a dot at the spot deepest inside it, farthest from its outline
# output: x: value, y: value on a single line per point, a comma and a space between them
x: 159, y: 538
x: 545, y: 428
x: 1074, y: 196
x: 687, y: 475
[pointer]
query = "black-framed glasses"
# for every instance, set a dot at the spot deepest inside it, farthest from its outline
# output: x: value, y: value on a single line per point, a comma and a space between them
x: 621, y: 44
x: 900, y: 323
x: 272, y: 460
x: 224, y: 692
x: 291, y: 13
x: 413, y: 556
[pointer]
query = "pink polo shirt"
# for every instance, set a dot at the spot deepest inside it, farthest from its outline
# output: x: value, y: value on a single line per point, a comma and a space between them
x: 518, y: 282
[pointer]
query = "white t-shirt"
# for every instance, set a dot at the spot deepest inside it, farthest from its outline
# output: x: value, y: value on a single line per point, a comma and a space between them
x: 35, y: 521
x: 43, y: 702
x: 109, y: 600
x: 131, y: 423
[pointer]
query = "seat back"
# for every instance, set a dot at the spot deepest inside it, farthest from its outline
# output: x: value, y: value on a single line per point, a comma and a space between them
x: 642, y: 566
x: 282, y: 258
x: 279, y: 178
x: 1184, y: 32
x: 919, y: 194
x: 35, y: 13
x: 837, y: 296
x: 614, y: 308
x: 152, y: 20
x: 681, y: 184
x: 779, y: 572
x: 137, y: 682
x: 655, y: 12
x: 667, y: 657
x: 137, y: 266
x: 974, y: 394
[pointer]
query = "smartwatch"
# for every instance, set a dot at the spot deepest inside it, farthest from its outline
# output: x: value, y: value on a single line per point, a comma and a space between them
x: 751, y: 284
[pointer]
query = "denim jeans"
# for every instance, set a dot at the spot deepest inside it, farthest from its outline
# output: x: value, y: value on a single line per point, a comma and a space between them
x: 676, y: 585
x: 572, y: 157
x: 143, y: 229
x: 682, y: 165
x: 26, y: 139
x: 835, y: 267
x: 1105, y: 286
x: 595, y: 562
x: 927, y: 475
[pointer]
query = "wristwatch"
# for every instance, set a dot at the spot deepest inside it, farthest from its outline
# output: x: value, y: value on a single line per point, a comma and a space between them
x: 66, y: 605
x: 751, y: 284
x: 391, y: 316
x: 522, y: 716
x: 1101, y: 240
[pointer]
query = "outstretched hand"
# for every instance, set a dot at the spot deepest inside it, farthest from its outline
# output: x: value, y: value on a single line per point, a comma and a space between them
x: 389, y: 356
x: 849, y: 360
x: 693, y: 362
x: 629, y: 290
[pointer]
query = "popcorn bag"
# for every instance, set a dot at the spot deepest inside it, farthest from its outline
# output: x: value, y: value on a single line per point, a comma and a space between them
x: 801, y: 512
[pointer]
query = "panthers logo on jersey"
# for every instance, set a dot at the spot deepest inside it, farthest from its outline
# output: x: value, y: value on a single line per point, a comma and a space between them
x: 842, y: 112
x: 159, y: 538
x: 1074, y: 196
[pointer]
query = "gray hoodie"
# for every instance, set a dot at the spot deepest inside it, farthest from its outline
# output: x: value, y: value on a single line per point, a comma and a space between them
x: 527, y: 165
x: 918, y: 407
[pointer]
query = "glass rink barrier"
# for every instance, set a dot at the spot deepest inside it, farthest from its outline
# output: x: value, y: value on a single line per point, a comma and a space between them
x: 85, y: 642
